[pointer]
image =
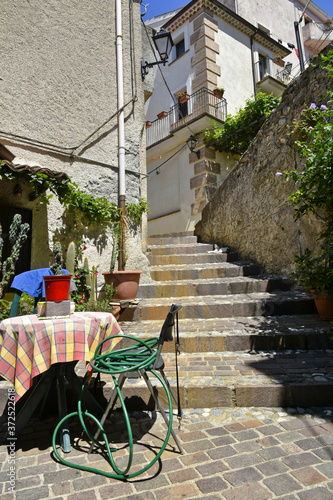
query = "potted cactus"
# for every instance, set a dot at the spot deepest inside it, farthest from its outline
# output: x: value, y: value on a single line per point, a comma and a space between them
x: 125, y: 281
x: 57, y: 285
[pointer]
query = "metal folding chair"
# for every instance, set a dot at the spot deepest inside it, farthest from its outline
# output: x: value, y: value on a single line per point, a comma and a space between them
x: 139, y: 359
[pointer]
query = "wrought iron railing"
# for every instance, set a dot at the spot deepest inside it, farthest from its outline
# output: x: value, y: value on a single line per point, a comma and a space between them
x: 202, y: 102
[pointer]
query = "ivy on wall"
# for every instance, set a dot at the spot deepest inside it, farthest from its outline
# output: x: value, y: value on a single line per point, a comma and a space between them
x: 239, y: 130
x: 95, y: 209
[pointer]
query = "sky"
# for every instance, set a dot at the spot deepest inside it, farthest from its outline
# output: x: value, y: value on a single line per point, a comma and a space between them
x: 156, y: 7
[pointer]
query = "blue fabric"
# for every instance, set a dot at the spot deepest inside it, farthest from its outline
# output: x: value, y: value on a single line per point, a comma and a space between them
x: 32, y: 283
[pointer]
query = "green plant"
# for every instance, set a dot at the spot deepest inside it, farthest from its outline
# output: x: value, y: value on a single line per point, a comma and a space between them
x: 239, y: 130
x: 130, y: 221
x: 91, y: 304
x: 315, y: 273
x: 70, y: 257
x: 18, y: 234
x: 57, y: 266
x: 314, y: 188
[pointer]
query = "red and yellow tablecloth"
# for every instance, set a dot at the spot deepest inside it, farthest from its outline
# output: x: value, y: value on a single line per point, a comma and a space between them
x: 29, y: 345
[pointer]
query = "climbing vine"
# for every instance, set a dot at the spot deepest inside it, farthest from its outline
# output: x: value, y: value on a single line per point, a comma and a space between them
x: 96, y: 209
x: 239, y: 130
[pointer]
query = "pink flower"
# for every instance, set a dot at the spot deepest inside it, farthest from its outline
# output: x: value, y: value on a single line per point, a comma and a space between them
x: 96, y: 272
x: 278, y: 174
x: 310, y: 128
x: 84, y: 247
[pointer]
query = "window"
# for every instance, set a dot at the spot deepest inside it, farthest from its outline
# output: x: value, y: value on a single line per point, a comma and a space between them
x: 264, y: 29
x: 180, y: 47
x: 263, y: 66
x: 182, y: 110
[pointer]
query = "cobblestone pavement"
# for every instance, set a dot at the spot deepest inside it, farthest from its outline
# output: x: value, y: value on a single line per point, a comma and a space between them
x: 230, y: 454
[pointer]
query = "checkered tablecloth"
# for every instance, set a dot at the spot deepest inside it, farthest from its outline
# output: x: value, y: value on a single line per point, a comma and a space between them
x: 29, y: 345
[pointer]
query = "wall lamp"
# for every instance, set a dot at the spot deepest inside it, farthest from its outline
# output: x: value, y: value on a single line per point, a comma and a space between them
x: 191, y: 143
x: 163, y: 44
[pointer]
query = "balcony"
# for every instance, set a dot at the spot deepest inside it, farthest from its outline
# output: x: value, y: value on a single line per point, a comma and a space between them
x: 272, y: 75
x: 201, y: 103
x: 316, y: 37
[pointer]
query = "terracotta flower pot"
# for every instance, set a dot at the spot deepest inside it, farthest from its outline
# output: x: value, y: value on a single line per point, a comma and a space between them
x: 162, y: 114
x: 184, y: 98
x: 126, y: 282
x: 324, y: 306
x: 148, y: 124
x: 218, y: 93
x: 116, y: 312
x: 57, y: 287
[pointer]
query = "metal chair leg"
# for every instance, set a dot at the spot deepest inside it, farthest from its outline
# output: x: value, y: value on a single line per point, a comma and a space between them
x: 157, y: 401
x: 111, y: 402
x: 169, y: 386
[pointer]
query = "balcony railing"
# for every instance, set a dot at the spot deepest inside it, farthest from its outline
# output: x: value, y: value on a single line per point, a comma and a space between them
x: 202, y: 102
x: 267, y: 67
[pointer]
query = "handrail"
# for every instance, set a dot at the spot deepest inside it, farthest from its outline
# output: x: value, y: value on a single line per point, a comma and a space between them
x: 201, y: 102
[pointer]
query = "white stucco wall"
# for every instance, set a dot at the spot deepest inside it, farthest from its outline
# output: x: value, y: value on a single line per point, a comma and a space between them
x: 59, y: 95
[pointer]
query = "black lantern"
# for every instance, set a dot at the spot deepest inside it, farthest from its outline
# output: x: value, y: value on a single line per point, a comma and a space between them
x: 163, y: 43
x: 191, y: 143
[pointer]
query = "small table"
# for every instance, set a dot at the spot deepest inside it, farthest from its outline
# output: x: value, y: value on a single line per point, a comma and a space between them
x: 31, y: 346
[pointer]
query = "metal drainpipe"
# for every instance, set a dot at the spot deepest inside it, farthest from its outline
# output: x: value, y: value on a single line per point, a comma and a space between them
x: 253, y: 65
x: 121, y: 131
x: 299, y: 45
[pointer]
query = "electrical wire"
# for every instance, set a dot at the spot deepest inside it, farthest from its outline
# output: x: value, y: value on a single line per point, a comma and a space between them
x: 168, y: 159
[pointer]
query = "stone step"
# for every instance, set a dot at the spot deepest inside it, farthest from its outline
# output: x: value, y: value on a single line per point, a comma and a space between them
x: 224, y: 306
x: 238, y: 379
x: 180, y: 249
x: 193, y: 259
x: 208, y: 271
x: 175, y: 239
x: 217, y: 286
x: 245, y: 333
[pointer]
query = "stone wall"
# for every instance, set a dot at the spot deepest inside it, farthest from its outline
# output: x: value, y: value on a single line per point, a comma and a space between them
x: 249, y: 212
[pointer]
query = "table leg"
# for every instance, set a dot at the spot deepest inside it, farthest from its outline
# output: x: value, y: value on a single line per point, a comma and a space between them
x: 37, y: 393
x: 62, y: 408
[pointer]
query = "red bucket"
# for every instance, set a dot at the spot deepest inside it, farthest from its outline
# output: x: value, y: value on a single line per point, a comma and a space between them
x: 57, y: 287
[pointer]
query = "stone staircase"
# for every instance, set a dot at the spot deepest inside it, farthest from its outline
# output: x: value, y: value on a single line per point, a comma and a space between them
x: 246, y: 339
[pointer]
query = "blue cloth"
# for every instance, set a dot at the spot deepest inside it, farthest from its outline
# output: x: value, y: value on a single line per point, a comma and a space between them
x: 32, y: 283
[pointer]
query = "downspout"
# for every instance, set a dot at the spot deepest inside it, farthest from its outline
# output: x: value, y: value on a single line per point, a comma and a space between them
x: 253, y: 64
x: 299, y: 45
x: 121, y: 133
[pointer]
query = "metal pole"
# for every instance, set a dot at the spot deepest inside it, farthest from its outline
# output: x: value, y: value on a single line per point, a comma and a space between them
x: 121, y: 132
x: 299, y: 46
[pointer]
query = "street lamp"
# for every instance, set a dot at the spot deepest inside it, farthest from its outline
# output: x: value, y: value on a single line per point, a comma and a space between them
x: 163, y: 43
x: 191, y: 143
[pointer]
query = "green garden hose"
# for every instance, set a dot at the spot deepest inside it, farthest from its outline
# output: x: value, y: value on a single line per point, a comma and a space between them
x: 120, y: 361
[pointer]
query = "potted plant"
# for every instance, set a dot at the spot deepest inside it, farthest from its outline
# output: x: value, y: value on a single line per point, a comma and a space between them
x: 314, y: 194
x: 218, y: 92
x: 162, y: 114
x: 278, y: 60
x: 125, y: 281
x: 148, y: 123
x: 57, y: 285
x: 315, y: 275
x: 183, y: 97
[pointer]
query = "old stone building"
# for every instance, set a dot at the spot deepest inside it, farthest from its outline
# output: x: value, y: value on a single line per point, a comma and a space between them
x: 244, y: 47
x: 60, y: 107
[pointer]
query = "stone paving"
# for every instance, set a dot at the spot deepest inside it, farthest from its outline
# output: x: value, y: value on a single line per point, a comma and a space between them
x: 231, y: 454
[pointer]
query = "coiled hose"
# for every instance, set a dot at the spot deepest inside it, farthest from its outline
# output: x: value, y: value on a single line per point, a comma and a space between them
x: 139, y: 356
